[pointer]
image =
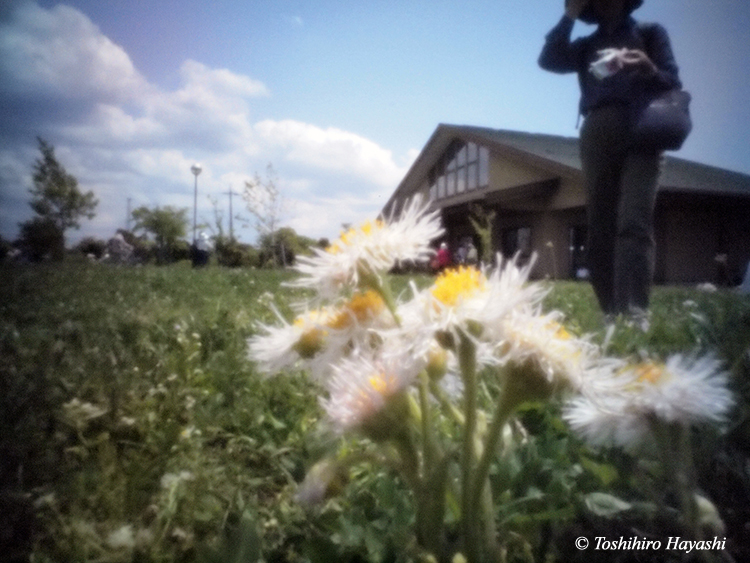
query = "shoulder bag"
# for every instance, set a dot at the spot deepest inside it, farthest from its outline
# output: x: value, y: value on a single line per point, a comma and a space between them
x: 663, y: 123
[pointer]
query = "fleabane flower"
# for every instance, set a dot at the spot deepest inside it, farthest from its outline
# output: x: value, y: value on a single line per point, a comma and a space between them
x: 320, y: 337
x: 370, y: 249
x: 542, y: 343
x: 361, y: 309
x: 285, y: 345
x: 367, y: 393
x: 683, y: 391
x: 472, y: 301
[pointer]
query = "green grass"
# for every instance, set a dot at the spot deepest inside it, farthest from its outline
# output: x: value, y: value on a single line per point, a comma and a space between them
x: 194, y: 457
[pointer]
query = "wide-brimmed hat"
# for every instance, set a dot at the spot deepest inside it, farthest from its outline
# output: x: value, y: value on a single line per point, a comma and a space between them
x: 588, y: 14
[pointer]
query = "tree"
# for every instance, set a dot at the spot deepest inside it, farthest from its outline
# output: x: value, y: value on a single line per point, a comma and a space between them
x: 41, y: 239
x: 283, y: 246
x: 167, y: 225
x: 265, y: 202
x: 56, y: 196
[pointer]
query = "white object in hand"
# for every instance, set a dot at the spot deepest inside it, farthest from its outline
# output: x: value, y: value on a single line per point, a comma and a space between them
x: 608, y: 63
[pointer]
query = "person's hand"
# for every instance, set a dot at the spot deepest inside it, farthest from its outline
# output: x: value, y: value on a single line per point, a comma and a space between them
x: 573, y: 8
x: 638, y: 61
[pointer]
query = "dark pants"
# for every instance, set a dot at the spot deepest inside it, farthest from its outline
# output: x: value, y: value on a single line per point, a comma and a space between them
x: 621, y: 186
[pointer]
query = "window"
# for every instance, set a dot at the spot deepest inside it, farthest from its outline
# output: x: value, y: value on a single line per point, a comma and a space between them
x: 461, y: 180
x: 484, y: 167
x: 473, y: 180
x: 463, y: 167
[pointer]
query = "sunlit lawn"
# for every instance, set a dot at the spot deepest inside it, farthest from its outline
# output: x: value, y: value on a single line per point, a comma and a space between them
x: 134, y: 426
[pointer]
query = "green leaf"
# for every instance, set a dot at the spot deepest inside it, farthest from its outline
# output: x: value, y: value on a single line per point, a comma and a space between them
x: 605, y: 472
x: 243, y: 543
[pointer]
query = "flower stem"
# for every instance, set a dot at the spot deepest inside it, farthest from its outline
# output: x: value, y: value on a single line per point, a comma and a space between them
x: 468, y: 363
x: 446, y: 404
x: 372, y: 280
x: 686, y: 481
x: 505, y: 408
x: 428, y: 438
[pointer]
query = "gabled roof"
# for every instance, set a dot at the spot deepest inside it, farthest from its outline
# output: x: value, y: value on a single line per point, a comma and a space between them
x: 560, y: 155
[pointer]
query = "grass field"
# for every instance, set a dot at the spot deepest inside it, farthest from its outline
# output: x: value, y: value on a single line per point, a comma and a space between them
x: 135, y: 429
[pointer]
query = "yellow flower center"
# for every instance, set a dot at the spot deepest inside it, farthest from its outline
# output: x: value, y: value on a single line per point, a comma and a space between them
x: 453, y: 285
x: 365, y: 401
x: 651, y: 372
x: 361, y: 307
x: 313, y: 335
x: 383, y: 384
x: 349, y: 237
x: 560, y: 331
x: 310, y: 343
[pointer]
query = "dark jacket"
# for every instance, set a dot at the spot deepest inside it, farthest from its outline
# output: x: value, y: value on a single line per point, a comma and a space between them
x: 562, y: 55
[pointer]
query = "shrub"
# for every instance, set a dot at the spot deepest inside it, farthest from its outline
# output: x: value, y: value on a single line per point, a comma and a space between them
x: 92, y: 246
x: 233, y: 254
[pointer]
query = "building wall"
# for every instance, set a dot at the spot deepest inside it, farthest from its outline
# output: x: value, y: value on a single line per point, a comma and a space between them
x: 692, y: 231
x: 506, y: 172
x: 687, y: 244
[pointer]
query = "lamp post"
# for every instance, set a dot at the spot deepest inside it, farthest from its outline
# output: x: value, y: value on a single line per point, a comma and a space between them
x: 195, y: 169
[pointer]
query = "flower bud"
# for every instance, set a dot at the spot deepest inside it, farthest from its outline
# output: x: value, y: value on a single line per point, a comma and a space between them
x: 437, y: 363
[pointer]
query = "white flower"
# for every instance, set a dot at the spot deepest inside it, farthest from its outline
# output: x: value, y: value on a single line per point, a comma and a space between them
x: 371, y: 249
x: 683, y: 391
x: 361, y: 387
x: 320, y: 337
x: 541, y: 340
x: 122, y: 538
x: 467, y: 299
x: 281, y: 346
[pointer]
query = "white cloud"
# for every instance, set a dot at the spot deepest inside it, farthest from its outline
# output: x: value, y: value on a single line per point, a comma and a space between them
x: 210, y: 84
x: 323, y: 217
x: 128, y: 138
x: 61, y: 52
x: 332, y: 149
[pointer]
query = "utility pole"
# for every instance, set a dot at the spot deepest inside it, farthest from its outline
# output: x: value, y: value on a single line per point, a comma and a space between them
x: 231, y: 228
x: 127, y: 220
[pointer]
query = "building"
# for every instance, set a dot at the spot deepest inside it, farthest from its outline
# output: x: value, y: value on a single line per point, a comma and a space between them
x: 533, y: 186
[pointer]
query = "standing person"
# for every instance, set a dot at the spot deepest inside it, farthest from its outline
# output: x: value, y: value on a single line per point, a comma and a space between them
x: 472, y: 256
x: 461, y: 253
x: 442, y: 258
x: 621, y: 180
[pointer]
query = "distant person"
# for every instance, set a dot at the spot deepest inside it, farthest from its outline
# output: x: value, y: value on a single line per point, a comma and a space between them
x: 201, y: 250
x: 461, y: 253
x: 621, y: 180
x: 472, y: 256
x: 442, y: 259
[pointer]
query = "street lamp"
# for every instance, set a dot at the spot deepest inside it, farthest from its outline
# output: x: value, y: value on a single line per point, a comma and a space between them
x: 195, y: 169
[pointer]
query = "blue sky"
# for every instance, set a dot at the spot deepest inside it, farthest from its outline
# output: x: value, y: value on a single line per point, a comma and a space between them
x: 339, y: 96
